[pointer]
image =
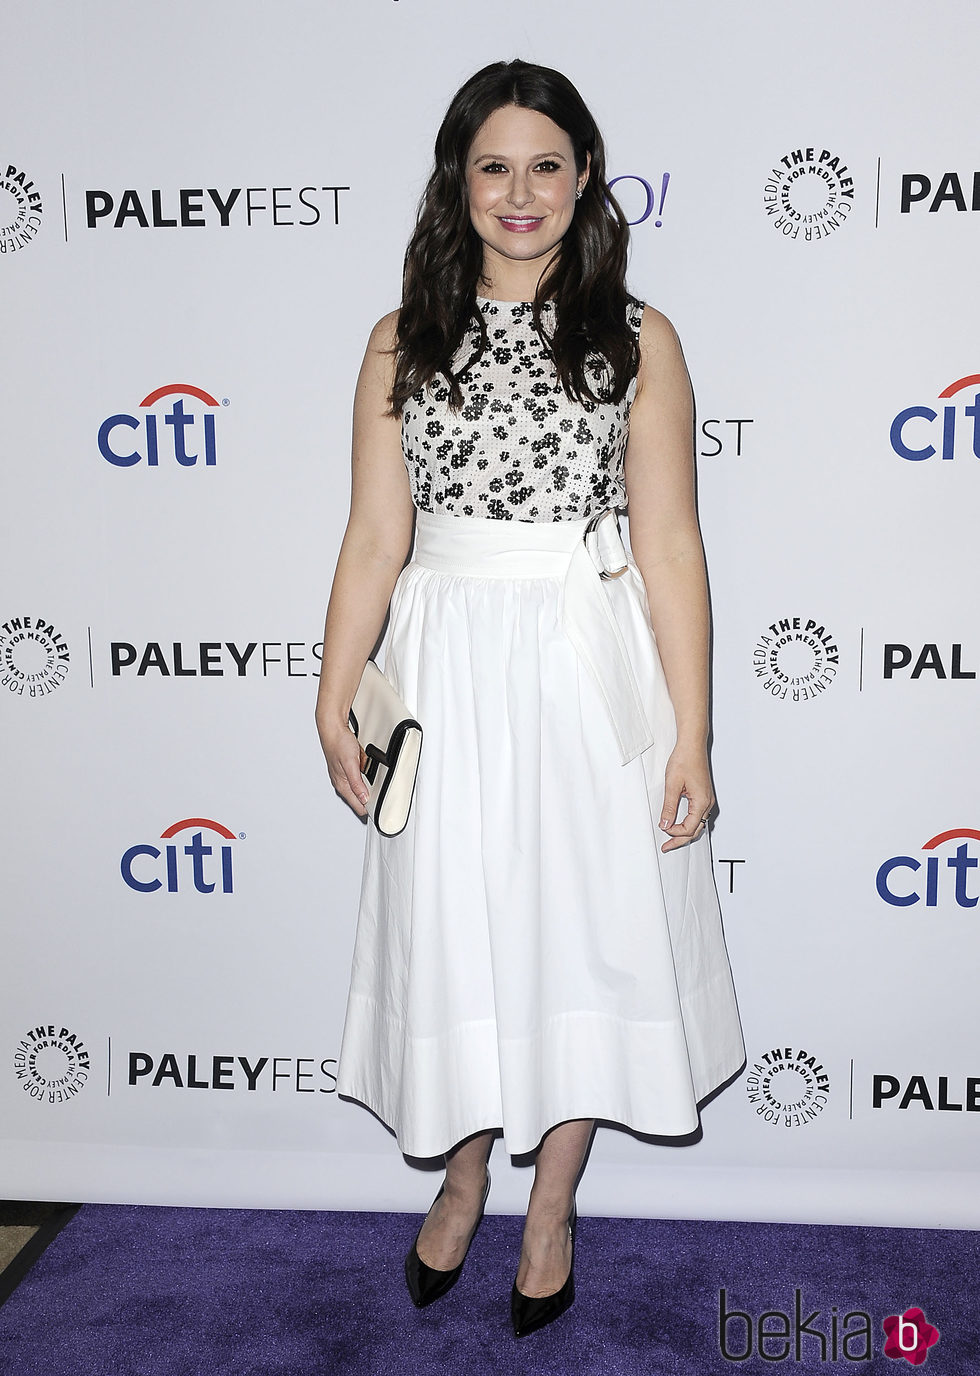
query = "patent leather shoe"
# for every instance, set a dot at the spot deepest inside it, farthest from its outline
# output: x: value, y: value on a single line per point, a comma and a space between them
x: 425, y: 1283
x: 530, y: 1312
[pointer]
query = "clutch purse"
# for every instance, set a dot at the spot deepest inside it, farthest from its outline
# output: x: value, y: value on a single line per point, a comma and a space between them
x: 392, y: 740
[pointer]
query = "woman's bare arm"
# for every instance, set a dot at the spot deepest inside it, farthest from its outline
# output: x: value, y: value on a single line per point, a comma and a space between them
x: 372, y: 554
x: 666, y: 544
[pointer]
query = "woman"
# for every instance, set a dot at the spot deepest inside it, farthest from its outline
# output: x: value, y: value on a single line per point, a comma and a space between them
x: 529, y: 957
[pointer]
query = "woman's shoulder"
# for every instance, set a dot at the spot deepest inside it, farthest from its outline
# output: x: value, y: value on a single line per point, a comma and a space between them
x: 377, y: 372
x: 657, y: 338
x: 384, y: 335
x: 655, y: 331
x: 634, y: 312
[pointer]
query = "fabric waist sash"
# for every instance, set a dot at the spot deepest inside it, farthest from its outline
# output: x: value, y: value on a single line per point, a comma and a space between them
x: 577, y: 552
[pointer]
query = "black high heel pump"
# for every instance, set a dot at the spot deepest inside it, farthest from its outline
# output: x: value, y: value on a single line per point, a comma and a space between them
x: 530, y: 1312
x: 425, y: 1283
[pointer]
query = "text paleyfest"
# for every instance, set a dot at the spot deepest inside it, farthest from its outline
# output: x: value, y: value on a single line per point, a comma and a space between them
x: 173, y: 1070
x: 213, y: 208
x: 215, y: 659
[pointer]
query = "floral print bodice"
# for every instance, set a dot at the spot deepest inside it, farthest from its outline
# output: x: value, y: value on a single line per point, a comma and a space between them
x: 519, y: 449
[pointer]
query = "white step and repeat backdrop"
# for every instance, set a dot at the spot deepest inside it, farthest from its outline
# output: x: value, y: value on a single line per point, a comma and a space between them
x: 203, y: 210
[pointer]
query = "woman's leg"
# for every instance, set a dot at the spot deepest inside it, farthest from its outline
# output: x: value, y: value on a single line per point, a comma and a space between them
x: 546, y: 1252
x: 450, y: 1221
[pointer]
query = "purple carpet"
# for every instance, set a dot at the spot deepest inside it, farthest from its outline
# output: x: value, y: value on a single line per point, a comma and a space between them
x: 138, y: 1291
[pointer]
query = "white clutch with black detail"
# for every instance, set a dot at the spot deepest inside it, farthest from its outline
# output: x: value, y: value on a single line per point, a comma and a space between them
x: 392, y: 740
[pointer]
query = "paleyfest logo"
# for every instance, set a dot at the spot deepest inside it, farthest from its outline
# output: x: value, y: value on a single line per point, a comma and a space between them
x: 795, y: 659
x: 931, y: 658
x: 248, y: 1074
x: 949, y: 189
x: 198, y: 207
x: 901, y: 1092
x: 179, y: 435
x: 51, y: 1064
x: 21, y: 209
x: 215, y: 659
x: 809, y: 194
x: 34, y: 658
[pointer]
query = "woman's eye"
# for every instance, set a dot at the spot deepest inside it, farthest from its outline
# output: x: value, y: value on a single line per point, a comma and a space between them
x: 548, y: 165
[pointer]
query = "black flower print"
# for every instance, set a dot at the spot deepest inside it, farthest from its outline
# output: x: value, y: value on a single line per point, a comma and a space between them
x: 518, y: 440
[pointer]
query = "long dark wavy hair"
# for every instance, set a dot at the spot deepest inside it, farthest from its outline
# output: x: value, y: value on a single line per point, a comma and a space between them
x: 444, y: 259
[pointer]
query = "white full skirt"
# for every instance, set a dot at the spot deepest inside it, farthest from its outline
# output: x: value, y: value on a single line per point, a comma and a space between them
x: 525, y: 953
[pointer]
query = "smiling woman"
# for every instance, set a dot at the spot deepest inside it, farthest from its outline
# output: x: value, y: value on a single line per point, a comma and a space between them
x: 522, y: 199
x: 517, y: 209
x: 531, y: 955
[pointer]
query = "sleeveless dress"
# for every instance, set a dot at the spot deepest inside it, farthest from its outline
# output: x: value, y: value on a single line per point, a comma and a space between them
x: 525, y: 953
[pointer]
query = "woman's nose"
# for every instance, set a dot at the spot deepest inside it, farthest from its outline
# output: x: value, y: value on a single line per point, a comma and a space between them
x: 520, y: 191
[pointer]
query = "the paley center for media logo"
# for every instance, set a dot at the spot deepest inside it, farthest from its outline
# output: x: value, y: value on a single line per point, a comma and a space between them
x: 787, y: 1087
x: 809, y: 194
x: 51, y: 1063
x: 34, y: 656
x: 21, y: 208
x: 796, y: 659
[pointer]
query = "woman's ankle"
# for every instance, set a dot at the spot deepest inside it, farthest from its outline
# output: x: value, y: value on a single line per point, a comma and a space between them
x: 465, y: 1187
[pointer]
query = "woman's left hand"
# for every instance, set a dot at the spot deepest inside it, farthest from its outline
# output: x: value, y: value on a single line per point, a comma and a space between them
x: 687, y: 776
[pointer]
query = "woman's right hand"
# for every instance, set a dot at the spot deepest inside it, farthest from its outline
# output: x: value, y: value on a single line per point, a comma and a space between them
x: 372, y: 554
x: 345, y: 763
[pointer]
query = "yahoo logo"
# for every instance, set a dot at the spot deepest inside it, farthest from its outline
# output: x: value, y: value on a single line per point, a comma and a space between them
x: 175, y: 439
x: 649, y: 199
x: 902, y: 443
x: 148, y: 880
x: 899, y: 894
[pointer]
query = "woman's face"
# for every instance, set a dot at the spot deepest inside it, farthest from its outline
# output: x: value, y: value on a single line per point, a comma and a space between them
x: 521, y: 180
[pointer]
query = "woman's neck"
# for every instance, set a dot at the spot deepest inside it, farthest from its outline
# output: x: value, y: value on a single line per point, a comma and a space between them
x: 503, y: 280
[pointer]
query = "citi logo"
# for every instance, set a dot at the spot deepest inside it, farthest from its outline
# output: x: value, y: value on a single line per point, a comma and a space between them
x: 915, y: 434
x: 897, y: 886
x: 198, y: 864
x: 187, y: 436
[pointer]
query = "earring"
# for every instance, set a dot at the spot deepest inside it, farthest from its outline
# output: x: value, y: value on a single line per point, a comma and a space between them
x: 578, y: 193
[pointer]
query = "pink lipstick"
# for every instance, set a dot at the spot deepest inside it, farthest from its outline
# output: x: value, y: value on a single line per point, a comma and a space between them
x: 520, y: 224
